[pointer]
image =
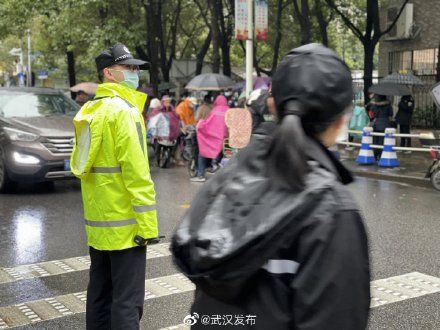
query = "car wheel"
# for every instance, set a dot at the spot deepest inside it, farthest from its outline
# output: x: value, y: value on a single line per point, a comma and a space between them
x: 5, y: 182
x: 435, y: 179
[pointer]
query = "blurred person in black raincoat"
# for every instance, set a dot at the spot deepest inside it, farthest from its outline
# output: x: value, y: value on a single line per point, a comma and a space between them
x: 382, y: 114
x: 404, y: 118
x: 275, y: 235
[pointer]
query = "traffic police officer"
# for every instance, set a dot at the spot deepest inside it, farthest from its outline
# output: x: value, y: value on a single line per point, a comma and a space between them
x: 110, y: 158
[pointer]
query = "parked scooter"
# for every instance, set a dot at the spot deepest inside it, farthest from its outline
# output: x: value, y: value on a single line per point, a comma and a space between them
x: 191, y: 150
x: 433, y: 172
x: 163, y: 150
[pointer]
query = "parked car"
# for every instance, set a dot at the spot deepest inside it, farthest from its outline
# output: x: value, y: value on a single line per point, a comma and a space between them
x: 36, y: 135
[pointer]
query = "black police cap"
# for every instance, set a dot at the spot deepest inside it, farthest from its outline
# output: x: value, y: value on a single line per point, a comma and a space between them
x: 117, y: 54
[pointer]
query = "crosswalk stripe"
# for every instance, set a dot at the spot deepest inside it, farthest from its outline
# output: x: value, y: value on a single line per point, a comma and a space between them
x: 402, y: 287
x: 384, y: 291
x: 57, y: 267
x: 74, y: 303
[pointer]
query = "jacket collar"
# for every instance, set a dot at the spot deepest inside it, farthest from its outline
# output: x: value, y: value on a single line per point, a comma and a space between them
x: 133, y: 97
x: 326, y: 158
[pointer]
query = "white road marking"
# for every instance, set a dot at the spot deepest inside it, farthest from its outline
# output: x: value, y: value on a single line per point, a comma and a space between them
x: 385, y: 291
x: 57, y: 267
x: 74, y: 303
x: 402, y: 287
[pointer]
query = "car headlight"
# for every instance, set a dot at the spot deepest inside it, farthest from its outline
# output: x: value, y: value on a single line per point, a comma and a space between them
x: 17, y: 135
x: 25, y: 159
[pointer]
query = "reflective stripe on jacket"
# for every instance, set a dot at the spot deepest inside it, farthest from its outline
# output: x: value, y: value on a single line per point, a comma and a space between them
x: 110, y: 157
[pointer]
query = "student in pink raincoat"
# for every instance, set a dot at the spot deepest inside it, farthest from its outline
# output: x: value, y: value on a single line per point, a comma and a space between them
x: 210, y: 135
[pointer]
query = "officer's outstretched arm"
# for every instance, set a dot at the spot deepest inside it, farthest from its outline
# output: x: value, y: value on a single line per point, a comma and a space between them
x: 131, y: 153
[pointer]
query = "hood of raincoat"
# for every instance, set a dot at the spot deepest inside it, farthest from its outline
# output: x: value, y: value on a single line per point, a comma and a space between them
x: 90, y: 119
x: 221, y: 100
x: 242, y: 215
x: 186, y: 112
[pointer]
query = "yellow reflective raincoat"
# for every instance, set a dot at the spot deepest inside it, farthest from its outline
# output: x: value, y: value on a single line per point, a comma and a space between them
x: 110, y: 157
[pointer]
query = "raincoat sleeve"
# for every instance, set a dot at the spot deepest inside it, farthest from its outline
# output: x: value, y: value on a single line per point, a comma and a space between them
x: 332, y: 286
x: 130, y: 152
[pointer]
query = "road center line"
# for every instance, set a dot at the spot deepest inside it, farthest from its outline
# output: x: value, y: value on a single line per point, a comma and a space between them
x: 57, y: 267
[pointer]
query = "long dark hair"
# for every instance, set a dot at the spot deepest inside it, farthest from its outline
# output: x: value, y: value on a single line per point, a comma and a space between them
x: 312, y: 89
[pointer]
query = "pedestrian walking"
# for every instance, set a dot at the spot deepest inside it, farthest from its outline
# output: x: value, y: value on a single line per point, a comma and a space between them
x: 110, y: 157
x: 382, y: 114
x: 211, y: 133
x: 276, y: 236
x: 404, y: 118
x: 205, y: 108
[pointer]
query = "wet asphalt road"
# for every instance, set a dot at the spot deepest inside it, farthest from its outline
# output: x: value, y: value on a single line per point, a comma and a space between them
x: 43, y: 224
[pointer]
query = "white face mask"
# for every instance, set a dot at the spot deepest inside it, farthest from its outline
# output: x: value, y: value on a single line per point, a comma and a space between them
x: 343, y: 135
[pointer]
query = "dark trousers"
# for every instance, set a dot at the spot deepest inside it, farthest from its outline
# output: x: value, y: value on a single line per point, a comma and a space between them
x: 405, y: 142
x: 378, y: 140
x: 116, y: 291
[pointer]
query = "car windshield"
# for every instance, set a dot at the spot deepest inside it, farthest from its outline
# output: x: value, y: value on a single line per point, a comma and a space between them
x: 25, y: 104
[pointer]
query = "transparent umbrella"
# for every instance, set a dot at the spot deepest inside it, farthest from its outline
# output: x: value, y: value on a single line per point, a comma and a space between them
x: 402, y: 79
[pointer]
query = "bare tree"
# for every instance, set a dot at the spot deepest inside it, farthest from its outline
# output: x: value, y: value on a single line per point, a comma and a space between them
x: 278, y: 36
x: 323, y: 20
x: 370, y: 38
x: 302, y: 14
x: 215, y: 34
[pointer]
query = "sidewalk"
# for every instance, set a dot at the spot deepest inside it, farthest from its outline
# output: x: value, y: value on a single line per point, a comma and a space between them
x: 412, y: 169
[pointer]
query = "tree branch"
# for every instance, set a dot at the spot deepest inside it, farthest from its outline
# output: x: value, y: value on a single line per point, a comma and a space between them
x: 357, y: 32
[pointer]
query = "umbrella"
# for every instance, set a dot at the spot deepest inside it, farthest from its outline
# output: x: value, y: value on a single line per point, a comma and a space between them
x: 238, y: 87
x: 86, y: 87
x: 166, y: 85
x: 147, y: 90
x: 389, y: 89
x: 262, y: 83
x: 210, y: 82
x: 435, y: 91
x: 402, y: 79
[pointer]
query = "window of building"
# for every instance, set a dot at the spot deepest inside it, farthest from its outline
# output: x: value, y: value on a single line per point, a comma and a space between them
x: 398, y: 61
x: 421, y: 62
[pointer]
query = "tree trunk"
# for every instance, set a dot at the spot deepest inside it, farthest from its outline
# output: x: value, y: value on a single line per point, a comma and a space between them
x: 202, y: 53
x: 152, y: 45
x: 226, y: 29
x: 369, y: 48
x: 71, y: 71
x: 215, y: 36
x: 278, y: 37
x: 322, y: 22
x: 303, y: 16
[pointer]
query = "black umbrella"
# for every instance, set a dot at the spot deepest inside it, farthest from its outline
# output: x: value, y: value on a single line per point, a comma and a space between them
x: 389, y: 89
x: 210, y: 82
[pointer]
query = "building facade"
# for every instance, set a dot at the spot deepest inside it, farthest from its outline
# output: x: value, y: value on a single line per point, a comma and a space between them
x: 413, y: 44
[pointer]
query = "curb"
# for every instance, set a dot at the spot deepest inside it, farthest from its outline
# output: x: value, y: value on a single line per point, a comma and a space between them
x: 411, y: 180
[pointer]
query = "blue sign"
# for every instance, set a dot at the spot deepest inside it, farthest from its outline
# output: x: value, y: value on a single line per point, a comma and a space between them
x: 43, y: 74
